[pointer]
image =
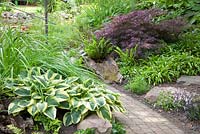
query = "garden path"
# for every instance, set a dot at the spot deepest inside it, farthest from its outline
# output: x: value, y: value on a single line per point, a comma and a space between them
x: 140, y: 119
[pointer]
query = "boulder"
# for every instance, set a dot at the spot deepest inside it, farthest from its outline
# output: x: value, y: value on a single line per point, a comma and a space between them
x: 107, y: 69
x: 153, y: 94
x: 189, y: 80
x: 100, y: 125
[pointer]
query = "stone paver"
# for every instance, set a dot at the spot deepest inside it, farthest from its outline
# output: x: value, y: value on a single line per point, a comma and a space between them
x: 140, y: 119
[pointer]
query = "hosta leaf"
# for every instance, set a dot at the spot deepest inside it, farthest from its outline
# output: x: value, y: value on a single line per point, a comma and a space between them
x: 41, y: 80
x: 61, y: 95
x: 56, y: 81
x: 32, y: 110
x: 14, y: 107
x: 111, y: 97
x: 55, y: 76
x: 62, y: 86
x: 100, y: 101
x: 83, y: 109
x: 115, y: 108
x: 23, y: 91
x: 50, y: 112
x: 88, y: 83
x: 90, y: 105
x: 72, y: 92
x: 42, y: 106
x: 64, y: 105
x: 49, y: 74
x: 67, y: 119
x: 36, y: 96
x: 71, y: 80
x: 51, y: 91
x: 75, y: 102
x: 76, y: 116
x: 25, y: 102
x: 52, y: 101
x: 105, y: 112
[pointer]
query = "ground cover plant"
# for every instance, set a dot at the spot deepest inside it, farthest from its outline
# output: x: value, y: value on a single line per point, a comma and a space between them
x: 44, y: 92
x: 164, y: 68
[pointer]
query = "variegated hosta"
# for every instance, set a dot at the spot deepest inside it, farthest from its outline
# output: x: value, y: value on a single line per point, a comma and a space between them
x: 40, y: 91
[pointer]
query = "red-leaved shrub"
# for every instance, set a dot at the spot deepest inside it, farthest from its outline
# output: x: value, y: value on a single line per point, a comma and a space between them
x: 138, y: 28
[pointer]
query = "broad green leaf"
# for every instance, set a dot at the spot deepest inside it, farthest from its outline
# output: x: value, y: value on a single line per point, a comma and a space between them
x: 100, y: 101
x: 55, y: 76
x: 25, y: 102
x: 64, y: 105
x: 61, y: 95
x: 51, y: 91
x: 49, y: 74
x: 56, y: 81
x: 88, y: 83
x: 115, y: 108
x: 50, y: 112
x: 14, y: 107
x: 62, y: 86
x: 72, y: 92
x: 76, y: 116
x: 67, y: 119
x: 42, y: 106
x: 23, y: 91
x: 105, y: 112
x: 90, y: 105
x: 75, y: 102
x: 52, y: 101
x: 35, y: 96
x: 83, y: 109
x: 110, y: 97
x: 32, y: 110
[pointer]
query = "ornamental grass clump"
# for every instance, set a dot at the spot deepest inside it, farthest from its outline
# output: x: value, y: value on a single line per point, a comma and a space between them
x: 138, y: 28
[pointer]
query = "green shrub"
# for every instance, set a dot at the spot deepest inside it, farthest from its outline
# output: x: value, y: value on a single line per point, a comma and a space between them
x: 43, y: 92
x: 126, y: 58
x: 166, y: 68
x: 52, y: 126
x: 175, y: 8
x: 118, y: 128
x: 97, y: 49
x: 101, y: 11
x: 166, y: 101
x: 189, y: 42
x: 138, y: 85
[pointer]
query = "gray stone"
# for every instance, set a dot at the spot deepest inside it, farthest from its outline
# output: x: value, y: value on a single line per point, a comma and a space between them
x: 101, y: 126
x: 153, y: 94
x: 1, y: 107
x: 189, y: 80
x: 108, y: 70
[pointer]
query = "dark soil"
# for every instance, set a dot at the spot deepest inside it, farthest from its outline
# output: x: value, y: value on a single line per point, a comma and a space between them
x: 179, y: 118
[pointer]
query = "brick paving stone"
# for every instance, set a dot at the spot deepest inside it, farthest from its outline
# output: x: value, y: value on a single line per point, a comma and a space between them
x: 140, y: 119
